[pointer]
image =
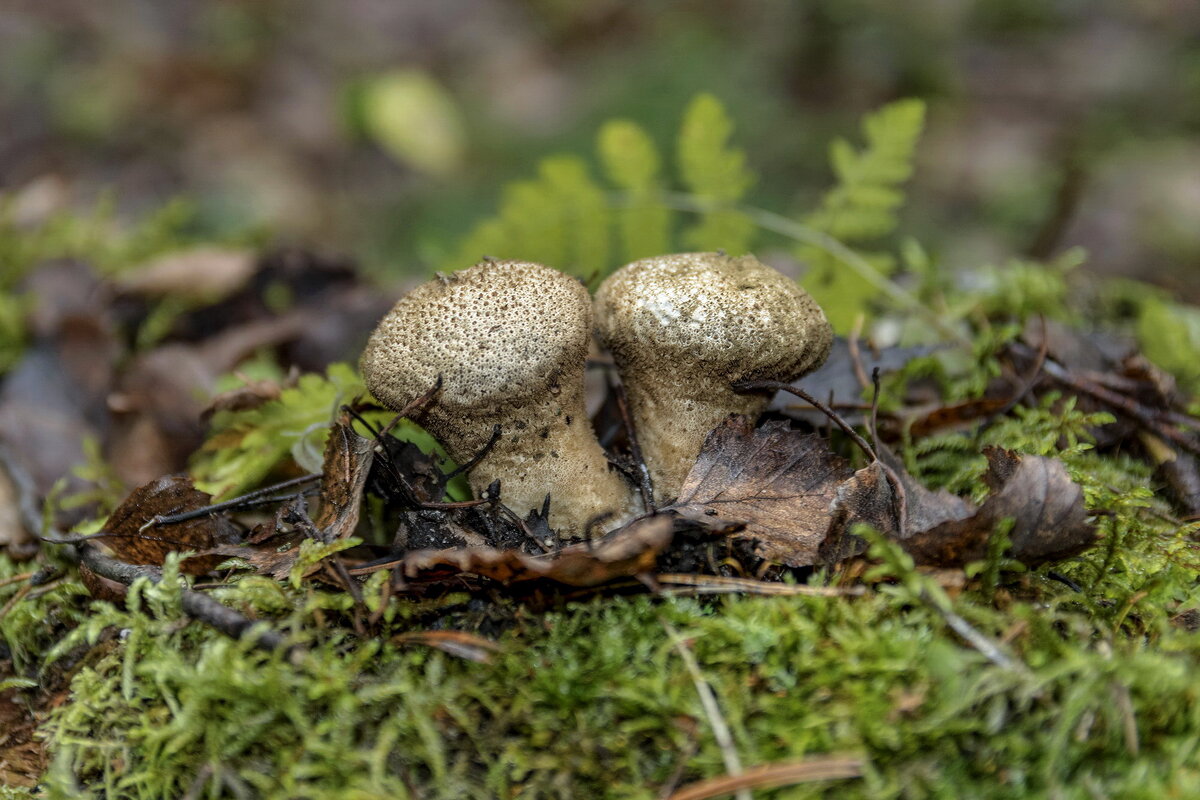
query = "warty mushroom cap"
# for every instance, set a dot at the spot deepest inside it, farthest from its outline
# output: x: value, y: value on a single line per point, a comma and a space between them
x: 682, y: 328
x: 509, y: 340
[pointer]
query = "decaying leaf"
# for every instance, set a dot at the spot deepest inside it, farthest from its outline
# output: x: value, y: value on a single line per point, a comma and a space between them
x: 274, y: 547
x: 799, y: 502
x: 1046, y: 508
x: 778, y: 483
x: 133, y: 541
x: 631, y: 550
x: 347, y: 463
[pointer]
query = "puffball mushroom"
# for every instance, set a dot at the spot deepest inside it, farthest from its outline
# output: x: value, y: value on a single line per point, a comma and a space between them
x: 509, y: 340
x: 682, y: 328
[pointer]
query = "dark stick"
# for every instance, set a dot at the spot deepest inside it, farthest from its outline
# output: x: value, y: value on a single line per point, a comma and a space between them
x: 644, y: 483
x: 197, y: 605
x: 1118, y: 403
x: 257, y: 496
x: 482, y: 454
x: 754, y: 386
x: 416, y: 407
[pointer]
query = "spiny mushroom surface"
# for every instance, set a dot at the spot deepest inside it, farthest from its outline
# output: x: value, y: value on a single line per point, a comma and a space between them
x: 682, y: 328
x: 509, y: 339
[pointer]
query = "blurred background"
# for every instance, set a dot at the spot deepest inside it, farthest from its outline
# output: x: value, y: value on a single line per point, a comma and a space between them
x: 386, y: 128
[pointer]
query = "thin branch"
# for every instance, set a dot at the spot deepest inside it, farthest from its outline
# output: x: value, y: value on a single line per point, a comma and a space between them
x: 780, y: 386
x: 257, y: 497
x: 990, y: 650
x: 480, y: 456
x: 196, y: 605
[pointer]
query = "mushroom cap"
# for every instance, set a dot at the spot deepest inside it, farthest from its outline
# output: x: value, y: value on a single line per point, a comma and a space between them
x: 709, y: 314
x: 499, y: 333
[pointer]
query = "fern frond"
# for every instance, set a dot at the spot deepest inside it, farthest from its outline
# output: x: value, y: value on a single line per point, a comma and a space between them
x: 716, y: 174
x: 560, y: 218
x: 631, y: 163
x: 863, y: 203
x: 862, y: 206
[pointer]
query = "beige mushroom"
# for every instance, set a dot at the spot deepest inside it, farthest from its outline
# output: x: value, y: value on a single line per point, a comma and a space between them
x: 682, y: 328
x: 509, y: 340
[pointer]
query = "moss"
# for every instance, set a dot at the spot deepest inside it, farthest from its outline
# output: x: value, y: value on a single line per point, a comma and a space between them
x: 594, y: 701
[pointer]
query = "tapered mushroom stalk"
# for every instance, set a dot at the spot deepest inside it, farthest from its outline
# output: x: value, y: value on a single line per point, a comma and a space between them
x: 509, y: 340
x: 682, y: 328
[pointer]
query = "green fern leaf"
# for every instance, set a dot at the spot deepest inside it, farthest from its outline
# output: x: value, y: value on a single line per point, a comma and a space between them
x: 716, y: 174
x: 862, y: 206
x: 560, y: 218
x: 631, y: 163
x: 246, y: 446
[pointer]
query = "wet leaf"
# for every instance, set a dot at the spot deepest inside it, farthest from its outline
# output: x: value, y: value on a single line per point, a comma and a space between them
x: 1046, y: 508
x: 777, y: 483
x: 131, y: 540
x: 348, y: 458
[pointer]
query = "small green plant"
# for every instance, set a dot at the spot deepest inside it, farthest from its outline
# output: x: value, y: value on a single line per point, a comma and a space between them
x: 244, y: 447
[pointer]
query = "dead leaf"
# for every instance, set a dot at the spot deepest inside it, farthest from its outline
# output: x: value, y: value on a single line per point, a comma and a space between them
x: 251, y: 394
x: 131, y: 540
x: 769, y: 776
x: 631, y: 550
x: 204, y: 273
x: 1046, y: 507
x: 347, y: 463
x: 778, y: 483
x: 272, y: 548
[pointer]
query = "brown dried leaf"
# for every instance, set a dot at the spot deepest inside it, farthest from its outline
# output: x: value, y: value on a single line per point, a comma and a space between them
x: 1045, y: 505
x: 173, y: 494
x: 769, y: 776
x: 348, y: 458
x: 778, y: 483
x: 631, y: 550
x: 205, y: 273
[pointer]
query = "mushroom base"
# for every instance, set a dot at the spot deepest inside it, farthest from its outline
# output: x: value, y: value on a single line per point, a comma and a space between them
x: 543, y: 450
x: 672, y: 424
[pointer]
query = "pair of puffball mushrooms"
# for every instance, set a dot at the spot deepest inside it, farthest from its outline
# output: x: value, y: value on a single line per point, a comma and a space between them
x: 510, y: 341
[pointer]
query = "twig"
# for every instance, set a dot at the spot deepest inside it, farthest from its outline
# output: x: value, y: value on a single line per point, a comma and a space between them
x: 16, y: 598
x: 645, y: 485
x: 253, y: 498
x: 195, y: 604
x: 753, y: 386
x: 416, y: 407
x: 480, y: 456
x: 990, y: 650
x: 708, y: 700
x: 11, y: 579
x: 719, y: 584
x: 1118, y: 403
x: 860, y: 373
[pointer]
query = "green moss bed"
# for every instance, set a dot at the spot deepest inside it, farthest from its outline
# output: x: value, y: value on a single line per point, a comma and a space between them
x: 594, y: 699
